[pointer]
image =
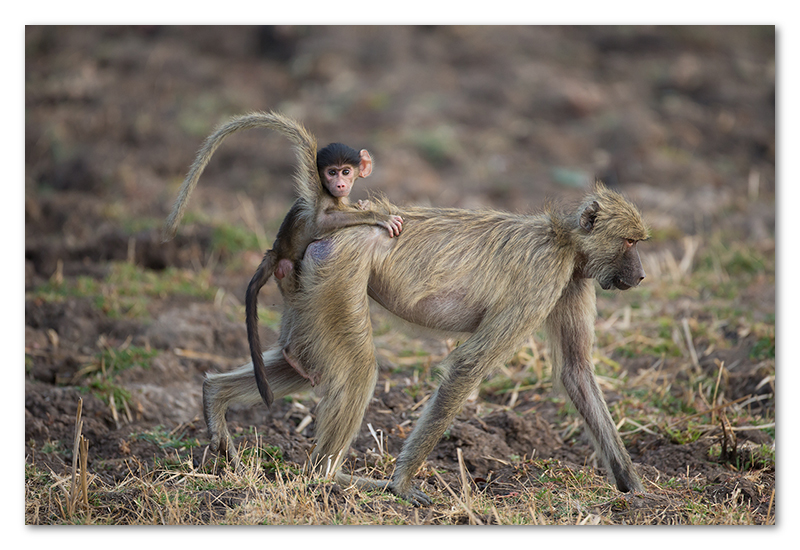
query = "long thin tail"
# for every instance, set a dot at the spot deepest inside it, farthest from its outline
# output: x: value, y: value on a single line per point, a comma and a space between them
x: 305, y: 145
x: 259, y: 279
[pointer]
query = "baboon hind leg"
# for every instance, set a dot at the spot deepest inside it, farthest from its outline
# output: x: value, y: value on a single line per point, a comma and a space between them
x: 494, y: 341
x: 570, y: 328
x: 238, y: 387
x: 332, y: 335
x: 347, y: 383
x: 339, y: 417
x: 465, y: 368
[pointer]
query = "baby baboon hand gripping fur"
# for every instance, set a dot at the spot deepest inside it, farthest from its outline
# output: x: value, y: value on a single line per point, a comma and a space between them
x: 496, y: 275
x: 324, y: 181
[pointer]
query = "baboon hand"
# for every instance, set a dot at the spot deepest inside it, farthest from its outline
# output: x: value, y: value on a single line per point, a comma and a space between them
x: 364, y: 204
x: 394, y: 225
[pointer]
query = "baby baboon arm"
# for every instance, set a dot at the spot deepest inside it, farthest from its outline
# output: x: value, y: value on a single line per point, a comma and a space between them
x: 393, y: 224
x: 335, y: 219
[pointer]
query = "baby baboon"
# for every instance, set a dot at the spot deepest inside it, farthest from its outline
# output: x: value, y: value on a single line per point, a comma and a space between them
x: 497, y: 275
x: 338, y: 167
x: 324, y: 181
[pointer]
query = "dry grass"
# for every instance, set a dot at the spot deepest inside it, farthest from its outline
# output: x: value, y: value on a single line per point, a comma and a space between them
x: 550, y: 493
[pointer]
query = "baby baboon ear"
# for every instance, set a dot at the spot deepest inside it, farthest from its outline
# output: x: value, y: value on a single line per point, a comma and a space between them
x: 589, y: 215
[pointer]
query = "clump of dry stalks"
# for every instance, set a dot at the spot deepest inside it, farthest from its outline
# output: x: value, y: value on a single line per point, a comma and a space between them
x: 77, y: 495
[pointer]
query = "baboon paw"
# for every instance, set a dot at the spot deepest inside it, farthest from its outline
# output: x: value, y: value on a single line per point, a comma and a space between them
x: 224, y: 446
x: 645, y: 499
x: 418, y: 498
x: 221, y: 444
x: 413, y: 495
x: 219, y: 440
x: 630, y: 484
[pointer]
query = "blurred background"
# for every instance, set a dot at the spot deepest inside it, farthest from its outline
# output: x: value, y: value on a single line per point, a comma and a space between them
x: 454, y: 116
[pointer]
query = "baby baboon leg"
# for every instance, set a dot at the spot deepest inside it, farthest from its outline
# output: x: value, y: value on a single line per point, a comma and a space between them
x: 288, y: 354
x: 571, y: 331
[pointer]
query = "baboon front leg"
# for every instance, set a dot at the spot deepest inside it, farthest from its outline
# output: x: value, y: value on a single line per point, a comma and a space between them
x: 582, y: 389
x: 221, y: 390
x: 571, y: 331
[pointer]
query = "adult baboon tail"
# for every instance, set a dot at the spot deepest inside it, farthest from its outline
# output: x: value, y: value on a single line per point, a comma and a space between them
x: 305, y: 145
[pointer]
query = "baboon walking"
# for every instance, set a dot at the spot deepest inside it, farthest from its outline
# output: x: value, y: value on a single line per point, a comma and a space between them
x: 496, y: 275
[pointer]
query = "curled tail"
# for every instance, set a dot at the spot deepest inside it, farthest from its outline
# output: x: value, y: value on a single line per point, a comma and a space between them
x: 305, y: 144
x: 259, y: 279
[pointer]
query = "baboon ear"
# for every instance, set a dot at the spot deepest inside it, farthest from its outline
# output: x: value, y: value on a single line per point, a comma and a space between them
x: 365, y: 166
x: 589, y: 215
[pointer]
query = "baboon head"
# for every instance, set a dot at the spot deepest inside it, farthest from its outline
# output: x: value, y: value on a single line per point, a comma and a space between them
x: 610, y: 227
x: 339, y: 166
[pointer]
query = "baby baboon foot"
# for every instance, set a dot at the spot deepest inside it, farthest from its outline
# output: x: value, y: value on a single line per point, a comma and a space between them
x: 283, y: 269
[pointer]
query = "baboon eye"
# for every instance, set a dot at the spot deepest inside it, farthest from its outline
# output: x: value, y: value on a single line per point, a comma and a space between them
x: 630, y: 242
x: 346, y: 172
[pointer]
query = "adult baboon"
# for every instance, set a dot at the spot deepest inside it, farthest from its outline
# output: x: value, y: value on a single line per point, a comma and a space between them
x: 497, y: 275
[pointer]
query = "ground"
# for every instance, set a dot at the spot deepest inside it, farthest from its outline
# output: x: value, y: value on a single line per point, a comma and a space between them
x: 681, y: 120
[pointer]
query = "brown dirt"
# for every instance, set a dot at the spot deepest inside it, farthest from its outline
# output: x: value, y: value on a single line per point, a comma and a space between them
x: 677, y: 118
